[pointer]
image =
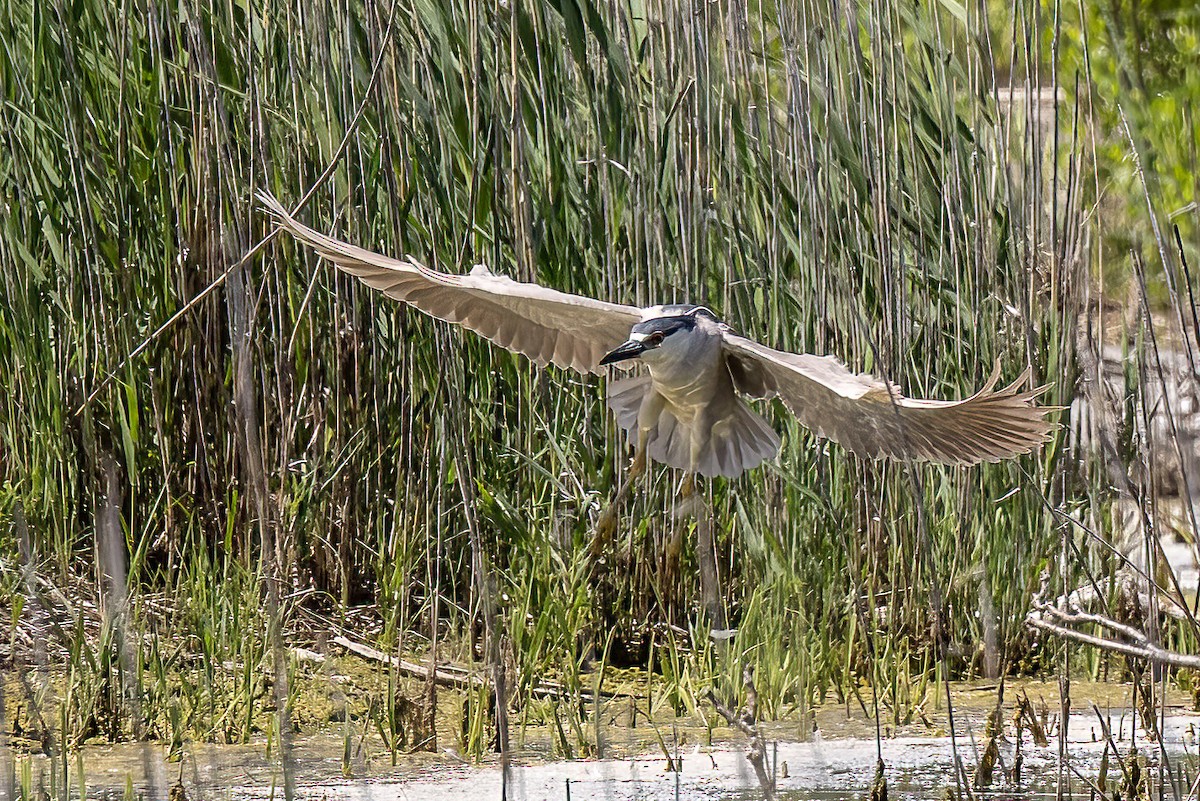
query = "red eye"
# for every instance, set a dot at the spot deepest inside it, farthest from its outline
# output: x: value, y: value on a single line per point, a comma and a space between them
x: 656, y: 338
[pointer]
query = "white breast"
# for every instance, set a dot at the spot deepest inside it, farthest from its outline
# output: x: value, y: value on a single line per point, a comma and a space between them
x: 688, y: 372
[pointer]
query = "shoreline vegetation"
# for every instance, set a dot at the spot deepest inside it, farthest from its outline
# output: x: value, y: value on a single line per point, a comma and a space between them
x: 217, y: 455
x: 338, y: 698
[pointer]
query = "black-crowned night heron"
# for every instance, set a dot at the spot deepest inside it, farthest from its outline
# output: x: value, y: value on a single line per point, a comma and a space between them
x: 687, y: 410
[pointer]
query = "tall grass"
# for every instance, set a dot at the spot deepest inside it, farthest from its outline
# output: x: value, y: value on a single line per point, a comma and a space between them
x: 845, y: 178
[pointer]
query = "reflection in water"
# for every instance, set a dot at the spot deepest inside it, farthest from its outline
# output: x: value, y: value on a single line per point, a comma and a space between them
x: 918, y: 768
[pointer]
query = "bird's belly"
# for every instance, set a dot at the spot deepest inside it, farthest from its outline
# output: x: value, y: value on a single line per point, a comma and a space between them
x: 688, y: 400
x: 689, y: 381
x: 684, y: 406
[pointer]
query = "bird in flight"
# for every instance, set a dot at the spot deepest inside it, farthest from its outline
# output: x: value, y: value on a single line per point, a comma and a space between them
x: 688, y: 409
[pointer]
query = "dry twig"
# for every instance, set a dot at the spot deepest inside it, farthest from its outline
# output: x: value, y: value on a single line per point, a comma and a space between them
x: 1059, y: 619
x: 745, y: 722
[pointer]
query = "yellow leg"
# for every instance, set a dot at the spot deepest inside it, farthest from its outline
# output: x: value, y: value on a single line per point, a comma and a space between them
x: 606, y: 524
x: 691, y: 502
x: 606, y: 527
x: 638, y: 466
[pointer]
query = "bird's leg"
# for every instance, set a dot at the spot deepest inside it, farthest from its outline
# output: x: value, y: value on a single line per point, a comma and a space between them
x: 606, y: 524
x: 638, y: 466
x: 689, y: 502
x: 674, y: 549
x: 693, y: 505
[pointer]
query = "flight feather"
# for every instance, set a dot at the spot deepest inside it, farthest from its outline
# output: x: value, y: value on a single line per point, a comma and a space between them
x: 871, y: 418
x: 548, y: 326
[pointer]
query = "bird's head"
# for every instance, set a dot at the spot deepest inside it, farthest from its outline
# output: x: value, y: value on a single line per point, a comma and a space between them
x: 666, y: 330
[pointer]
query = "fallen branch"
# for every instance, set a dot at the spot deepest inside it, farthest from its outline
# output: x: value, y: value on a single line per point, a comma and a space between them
x: 446, y: 676
x: 462, y: 678
x: 1159, y: 656
x: 745, y: 723
x: 1058, y: 619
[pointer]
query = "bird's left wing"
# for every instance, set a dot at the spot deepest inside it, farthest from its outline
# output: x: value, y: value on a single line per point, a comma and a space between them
x: 544, y: 324
x: 866, y: 416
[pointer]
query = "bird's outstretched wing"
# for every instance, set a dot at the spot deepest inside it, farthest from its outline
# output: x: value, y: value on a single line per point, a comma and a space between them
x: 864, y: 415
x: 544, y: 324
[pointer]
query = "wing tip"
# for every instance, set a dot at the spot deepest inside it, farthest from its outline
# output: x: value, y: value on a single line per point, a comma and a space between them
x: 271, y: 205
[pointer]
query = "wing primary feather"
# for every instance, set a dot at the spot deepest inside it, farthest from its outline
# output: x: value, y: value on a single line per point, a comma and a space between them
x: 573, y: 331
x: 865, y: 416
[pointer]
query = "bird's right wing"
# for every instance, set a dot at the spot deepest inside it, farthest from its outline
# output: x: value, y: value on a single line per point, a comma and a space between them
x: 866, y: 416
x: 544, y: 324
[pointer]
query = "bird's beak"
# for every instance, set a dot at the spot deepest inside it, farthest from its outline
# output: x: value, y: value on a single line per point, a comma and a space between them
x: 629, y: 350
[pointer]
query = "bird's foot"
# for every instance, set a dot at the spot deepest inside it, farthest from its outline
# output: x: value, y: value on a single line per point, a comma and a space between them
x: 691, y: 503
x: 637, y: 468
x: 604, y: 531
x: 606, y: 524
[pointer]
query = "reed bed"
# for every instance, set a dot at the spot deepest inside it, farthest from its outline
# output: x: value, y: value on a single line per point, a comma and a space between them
x: 848, y: 178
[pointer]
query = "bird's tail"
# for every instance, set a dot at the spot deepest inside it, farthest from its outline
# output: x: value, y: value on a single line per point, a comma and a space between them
x: 740, y: 441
